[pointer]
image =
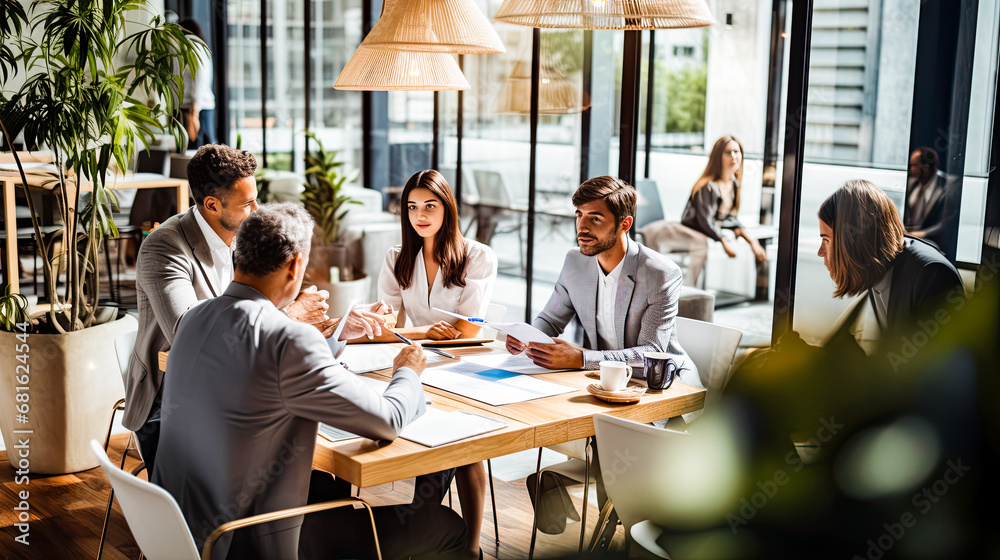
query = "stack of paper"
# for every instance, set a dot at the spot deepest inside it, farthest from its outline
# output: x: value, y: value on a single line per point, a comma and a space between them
x: 336, y: 434
x: 516, y: 363
x: 437, y: 427
x: 364, y: 358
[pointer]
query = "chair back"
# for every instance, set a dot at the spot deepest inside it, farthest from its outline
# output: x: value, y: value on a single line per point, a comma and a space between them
x: 470, y: 194
x: 492, y: 190
x: 152, y: 514
x: 648, y: 207
x: 124, y: 343
x: 674, y: 479
x: 712, y: 348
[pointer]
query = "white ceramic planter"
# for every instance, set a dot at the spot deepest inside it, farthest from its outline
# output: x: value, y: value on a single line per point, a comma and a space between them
x: 74, y: 380
x: 343, y: 293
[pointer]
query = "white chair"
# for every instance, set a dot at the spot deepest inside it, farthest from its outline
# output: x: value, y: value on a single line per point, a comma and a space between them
x: 661, y: 478
x: 159, y: 527
x: 711, y: 347
x: 124, y: 343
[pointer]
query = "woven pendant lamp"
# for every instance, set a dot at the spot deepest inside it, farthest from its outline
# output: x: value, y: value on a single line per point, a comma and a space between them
x: 606, y: 14
x: 557, y: 95
x: 451, y: 26
x: 387, y: 70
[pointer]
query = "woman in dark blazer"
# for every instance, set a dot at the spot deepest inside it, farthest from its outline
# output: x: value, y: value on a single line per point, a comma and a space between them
x: 899, y: 278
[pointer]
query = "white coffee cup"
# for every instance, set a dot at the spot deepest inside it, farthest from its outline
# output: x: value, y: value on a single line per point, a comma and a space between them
x: 615, y: 375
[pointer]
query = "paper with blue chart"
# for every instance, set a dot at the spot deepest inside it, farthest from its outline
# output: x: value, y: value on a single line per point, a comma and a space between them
x: 490, y: 385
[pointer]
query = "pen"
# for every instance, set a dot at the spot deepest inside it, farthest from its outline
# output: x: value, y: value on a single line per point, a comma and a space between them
x: 409, y: 342
x: 475, y: 320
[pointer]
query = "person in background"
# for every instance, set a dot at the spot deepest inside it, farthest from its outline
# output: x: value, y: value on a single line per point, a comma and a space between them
x: 245, y: 389
x: 710, y: 213
x: 898, y: 278
x: 436, y: 267
x: 715, y: 198
x: 198, y: 105
x: 925, y: 201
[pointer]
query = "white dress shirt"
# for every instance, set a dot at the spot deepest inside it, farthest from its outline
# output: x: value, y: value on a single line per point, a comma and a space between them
x: 418, y: 302
x: 869, y: 327
x: 222, y: 254
x: 607, y: 291
x: 199, y: 88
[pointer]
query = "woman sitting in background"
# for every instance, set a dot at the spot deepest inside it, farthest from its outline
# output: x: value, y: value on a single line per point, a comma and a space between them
x: 867, y: 255
x: 436, y: 267
x: 715, y: 198
x: 710, y: 211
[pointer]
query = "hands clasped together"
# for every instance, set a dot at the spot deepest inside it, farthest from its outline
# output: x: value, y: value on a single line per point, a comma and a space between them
x: 310, y: 307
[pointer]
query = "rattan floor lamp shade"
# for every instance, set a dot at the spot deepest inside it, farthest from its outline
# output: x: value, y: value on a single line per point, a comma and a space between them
x: 452, y: 26
x: 606, y: 14
x: 389, y: 70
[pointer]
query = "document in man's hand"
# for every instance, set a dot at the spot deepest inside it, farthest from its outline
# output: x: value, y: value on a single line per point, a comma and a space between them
x: 521, y: 331
x: 364, y: 358
x: 437, y: 427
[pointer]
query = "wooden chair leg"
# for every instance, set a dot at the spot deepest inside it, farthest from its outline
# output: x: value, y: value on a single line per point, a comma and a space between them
x: 586, y: 493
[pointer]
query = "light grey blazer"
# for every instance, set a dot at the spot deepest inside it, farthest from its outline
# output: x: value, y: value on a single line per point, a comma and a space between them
x: 171, y: 276
x: 244, y: 390
x: 649, y: 288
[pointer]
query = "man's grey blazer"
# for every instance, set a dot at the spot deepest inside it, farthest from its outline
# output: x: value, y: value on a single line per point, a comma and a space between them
x: 649, y: 288
x: 173, y: 273
x: 244, y: 390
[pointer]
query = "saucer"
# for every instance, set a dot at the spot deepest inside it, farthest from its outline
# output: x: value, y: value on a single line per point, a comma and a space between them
x: 630, y: 394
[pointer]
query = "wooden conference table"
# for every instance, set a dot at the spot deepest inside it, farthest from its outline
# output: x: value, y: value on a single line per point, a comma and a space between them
x: 530, y: 424
x: 40, y: 179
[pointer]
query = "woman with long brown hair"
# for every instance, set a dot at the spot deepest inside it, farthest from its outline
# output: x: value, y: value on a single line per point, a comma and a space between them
x: 715, y: 198
x: 436, y: 267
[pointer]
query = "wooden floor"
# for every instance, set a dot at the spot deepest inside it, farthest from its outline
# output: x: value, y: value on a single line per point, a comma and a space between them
x: 67, y: 512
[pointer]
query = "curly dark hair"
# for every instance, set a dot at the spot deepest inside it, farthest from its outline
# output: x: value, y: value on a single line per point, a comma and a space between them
x: 215, y: 168
x: 270, y: 237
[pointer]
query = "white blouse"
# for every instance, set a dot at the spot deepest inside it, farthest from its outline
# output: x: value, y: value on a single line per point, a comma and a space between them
x: 418, y: 302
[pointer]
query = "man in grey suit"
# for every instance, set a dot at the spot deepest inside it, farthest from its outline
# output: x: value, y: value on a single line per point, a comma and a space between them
x: 186, y: 260
x: 625, y: 294
x: 244, y: 390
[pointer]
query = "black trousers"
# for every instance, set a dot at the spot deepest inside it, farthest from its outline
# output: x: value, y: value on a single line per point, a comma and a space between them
x: 423, y: 530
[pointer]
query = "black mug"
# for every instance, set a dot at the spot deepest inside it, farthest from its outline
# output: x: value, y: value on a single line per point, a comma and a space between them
x: 659, y: 370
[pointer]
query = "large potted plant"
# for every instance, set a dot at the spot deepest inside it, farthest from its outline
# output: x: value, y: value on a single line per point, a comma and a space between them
x: 333, y: 265
x: 90, y: 109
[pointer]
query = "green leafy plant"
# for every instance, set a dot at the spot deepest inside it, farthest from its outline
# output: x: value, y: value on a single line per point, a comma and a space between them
x: 323, y: 197
x: 13, y: 310
x: 89, y: 108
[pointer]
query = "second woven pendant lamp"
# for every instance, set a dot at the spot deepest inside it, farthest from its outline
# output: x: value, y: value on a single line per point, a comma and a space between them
x: 372, y: 69
x: 606, y: 14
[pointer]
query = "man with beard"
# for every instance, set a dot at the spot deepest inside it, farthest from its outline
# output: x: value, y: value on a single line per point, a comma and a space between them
x: 188, y: 259
x: 624, y: 293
